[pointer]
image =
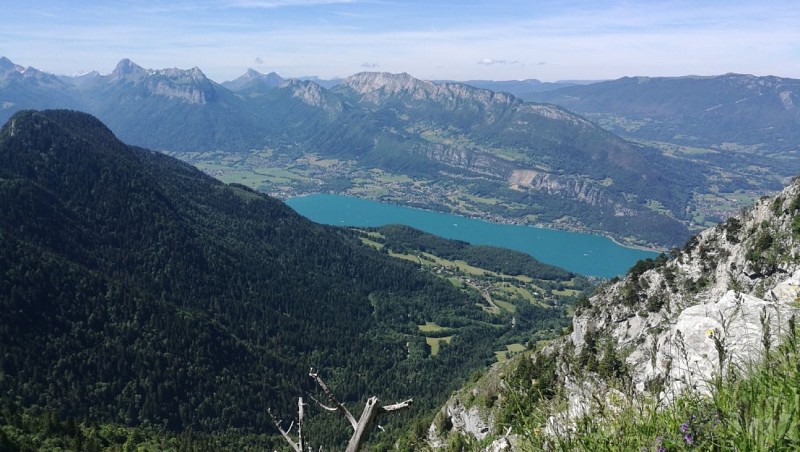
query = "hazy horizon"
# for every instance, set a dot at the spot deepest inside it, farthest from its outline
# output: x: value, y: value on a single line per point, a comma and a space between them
x: 434, y: 40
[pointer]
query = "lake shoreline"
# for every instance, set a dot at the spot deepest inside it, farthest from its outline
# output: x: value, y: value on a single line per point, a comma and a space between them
x: 581, y: 252
x: 492, y: 219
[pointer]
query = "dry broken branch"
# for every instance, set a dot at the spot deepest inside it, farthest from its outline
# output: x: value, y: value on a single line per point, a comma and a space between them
x: 333, y: 399
x: 397, y: 406
x: 284, y: 433
x: 300, y: 441
x: 322, y: 405
x: 300, y: 445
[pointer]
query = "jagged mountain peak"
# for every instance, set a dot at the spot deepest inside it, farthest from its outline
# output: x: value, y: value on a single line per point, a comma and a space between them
x: 312, y: 94
x: 254, y: 82
x: 254, y: 74
x: 190, y: 74
x: 27, y: 75
x: 126, y: 68
x: 187, y: 85
x: 8, y: 65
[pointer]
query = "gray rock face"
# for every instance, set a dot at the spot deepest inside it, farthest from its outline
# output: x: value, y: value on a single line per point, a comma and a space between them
x: 374, y: 87
x: 567, y: 186
x: 717, y: 306
x: 466, y: 416
x: 312, y: 94
x: 190, y: 86
x: 468, y: 420
x: 707, y: 337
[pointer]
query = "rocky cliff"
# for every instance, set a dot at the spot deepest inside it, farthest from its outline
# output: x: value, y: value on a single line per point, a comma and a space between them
x: 378, y: 87
x: 190, y: 86
x: 717, y: 304
x: 671, y: 325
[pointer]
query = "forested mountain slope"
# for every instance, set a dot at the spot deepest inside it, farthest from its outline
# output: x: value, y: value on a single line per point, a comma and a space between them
x: 137, y: 290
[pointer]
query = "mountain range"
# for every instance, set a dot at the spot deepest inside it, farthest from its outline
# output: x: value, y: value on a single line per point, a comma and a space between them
x: 730, y: 109
x: 518, y: 88
x: 137, y: 290
x: 482, y: 152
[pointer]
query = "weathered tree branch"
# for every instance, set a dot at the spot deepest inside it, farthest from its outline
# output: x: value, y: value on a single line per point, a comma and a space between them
x: 300, y: 445
x: 323, y: 406
x: 397, y: 406
x: 300, y: 440
x: 284, y: 433
x: 368, y: 416
x: 333, y: 399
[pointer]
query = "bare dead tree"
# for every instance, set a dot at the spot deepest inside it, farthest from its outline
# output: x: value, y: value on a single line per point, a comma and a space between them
x: 369, y: 416
x: 361, y: 427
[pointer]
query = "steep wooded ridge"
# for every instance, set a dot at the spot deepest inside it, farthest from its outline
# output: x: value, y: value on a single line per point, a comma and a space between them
x: 134, y: 289
x: 544, y: 164
x: 669, y: 326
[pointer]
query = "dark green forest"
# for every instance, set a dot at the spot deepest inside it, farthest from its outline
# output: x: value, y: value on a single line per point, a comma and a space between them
x: 137, y: 291
x: 492, y: 258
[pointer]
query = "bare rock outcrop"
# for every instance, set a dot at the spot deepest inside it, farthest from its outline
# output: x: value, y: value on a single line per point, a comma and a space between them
x: 676, y: 324
x: 716, y: 306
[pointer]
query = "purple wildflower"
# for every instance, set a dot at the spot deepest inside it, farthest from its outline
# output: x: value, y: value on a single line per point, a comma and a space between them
x: 688, y: 438
x: 660, y: 444
x: 684, y: 427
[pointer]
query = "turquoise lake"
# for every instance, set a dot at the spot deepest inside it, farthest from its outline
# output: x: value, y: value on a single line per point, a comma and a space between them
x: 587, y: 254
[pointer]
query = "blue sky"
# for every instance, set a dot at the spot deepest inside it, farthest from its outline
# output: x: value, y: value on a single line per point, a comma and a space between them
x: 434, y: 39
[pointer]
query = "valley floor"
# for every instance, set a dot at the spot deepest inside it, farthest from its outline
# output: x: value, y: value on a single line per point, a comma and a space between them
x: 286, y: 177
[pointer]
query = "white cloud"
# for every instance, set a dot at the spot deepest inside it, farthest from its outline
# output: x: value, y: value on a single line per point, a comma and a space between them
x: 490, y: 62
